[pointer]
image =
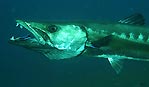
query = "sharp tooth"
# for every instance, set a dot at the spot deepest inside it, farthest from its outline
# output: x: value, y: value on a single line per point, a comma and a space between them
x: 17, y: 24
x: 12, y: 38
x: 21, y: 26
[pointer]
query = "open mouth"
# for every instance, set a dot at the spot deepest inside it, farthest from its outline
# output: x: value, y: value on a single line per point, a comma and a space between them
x: 25, y: 25
x: 37, y: 34
x: 25, y: 37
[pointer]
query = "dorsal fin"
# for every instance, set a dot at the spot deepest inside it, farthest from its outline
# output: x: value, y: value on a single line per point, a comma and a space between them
x: 135, y: 19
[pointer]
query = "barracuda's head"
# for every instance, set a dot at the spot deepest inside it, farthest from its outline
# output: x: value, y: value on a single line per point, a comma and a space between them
x: 54, y: 40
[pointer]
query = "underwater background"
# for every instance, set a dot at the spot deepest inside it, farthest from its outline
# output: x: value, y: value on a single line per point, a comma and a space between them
x: 20, y: 67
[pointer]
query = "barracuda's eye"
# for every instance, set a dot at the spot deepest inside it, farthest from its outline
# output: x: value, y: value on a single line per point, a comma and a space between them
x: 52, y: 28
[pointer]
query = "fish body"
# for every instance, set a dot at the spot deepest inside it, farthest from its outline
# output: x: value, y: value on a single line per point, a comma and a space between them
x: 126, y: 39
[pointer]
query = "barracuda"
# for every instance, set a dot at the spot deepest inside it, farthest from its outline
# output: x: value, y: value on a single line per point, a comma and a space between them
x: 126, y: 39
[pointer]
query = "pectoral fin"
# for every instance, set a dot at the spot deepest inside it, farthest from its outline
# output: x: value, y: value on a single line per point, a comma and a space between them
x: 102, y: 42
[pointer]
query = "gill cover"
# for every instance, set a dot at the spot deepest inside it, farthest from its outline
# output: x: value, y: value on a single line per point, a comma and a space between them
x: 67, y: 41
